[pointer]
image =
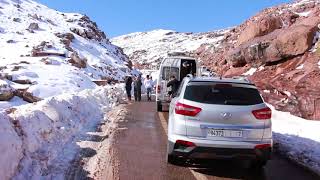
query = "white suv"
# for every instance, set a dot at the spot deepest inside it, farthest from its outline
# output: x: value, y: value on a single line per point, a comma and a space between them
x: 216, y: 118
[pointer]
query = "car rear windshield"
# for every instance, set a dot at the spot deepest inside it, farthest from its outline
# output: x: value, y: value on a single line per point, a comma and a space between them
x: 223, y: 94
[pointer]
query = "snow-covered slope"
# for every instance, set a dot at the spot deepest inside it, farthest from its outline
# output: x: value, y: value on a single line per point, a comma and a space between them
x: 151, y: 47
x: 45, y: 52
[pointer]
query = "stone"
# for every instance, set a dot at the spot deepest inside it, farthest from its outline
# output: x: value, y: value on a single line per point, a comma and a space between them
x: 76, y: 61
x: 262, y: 27
x: 16, y: 19
x: 33, y: 26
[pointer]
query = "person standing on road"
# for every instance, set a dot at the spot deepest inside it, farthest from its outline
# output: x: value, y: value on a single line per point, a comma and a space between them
x: 148, y: 83
x: 174, y: 85
x: 128, y: 86
x: 137, y: 88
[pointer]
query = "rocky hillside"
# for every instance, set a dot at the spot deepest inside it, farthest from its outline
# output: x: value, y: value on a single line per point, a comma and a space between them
x: 45, y: 53
x: 149, y: 48
x: 279, y: 50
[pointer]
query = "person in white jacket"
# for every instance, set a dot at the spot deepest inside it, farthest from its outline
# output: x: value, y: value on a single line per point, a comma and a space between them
x: 148, y: 84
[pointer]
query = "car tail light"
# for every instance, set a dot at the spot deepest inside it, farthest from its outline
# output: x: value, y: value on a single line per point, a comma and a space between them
x: 262, y: 114
x: 158, y: 89
x: 185, y: 143
x: 262, y: 146
x: 186, y: 110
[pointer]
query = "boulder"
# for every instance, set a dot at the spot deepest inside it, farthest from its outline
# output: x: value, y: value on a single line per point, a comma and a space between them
x: 16, y: 19
x: 33, y: 26
x: 68, y: 36
x: 261, y: 27
x: 275, y: 46
x: 29, y: 97
x: 295, y: 40
x: 26, y: 96
x: 235, y: 58
x: 77, y: 61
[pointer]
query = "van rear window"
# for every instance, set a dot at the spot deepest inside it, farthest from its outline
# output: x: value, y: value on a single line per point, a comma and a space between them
x: 170, y: 71
x: 223, y: 94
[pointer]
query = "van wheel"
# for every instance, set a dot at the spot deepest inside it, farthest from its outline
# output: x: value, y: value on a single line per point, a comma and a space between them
x: 159, y: 106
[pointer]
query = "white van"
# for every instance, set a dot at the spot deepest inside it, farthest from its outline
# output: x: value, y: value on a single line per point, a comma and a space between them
x: 180, y: 67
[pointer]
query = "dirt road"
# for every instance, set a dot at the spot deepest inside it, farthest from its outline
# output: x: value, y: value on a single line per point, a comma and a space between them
x: 140, y: 149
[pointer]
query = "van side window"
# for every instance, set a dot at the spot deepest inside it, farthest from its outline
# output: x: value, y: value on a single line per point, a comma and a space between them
x: 169, y: 71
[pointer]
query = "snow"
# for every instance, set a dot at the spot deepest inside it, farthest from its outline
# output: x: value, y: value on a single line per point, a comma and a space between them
x: 40, y: 140
x: 298, y: 138
x: 300, y: 67
x: 287, y: 93
x: 53, y: 75
x: 319, y: 64
x: 250, y: 72
x: 261, y: 68
x: 153, y: 46
x: 4, y: 86
x: 15, y: 101
x: 304, y: 14
x: 266, y: 91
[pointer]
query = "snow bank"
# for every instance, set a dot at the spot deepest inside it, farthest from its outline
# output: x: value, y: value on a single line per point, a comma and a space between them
x: 10, y: 148
x: 47, y: 132
x: 298, y: 139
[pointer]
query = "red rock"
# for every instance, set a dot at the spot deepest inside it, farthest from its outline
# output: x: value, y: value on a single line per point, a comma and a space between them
x: 261, y: 27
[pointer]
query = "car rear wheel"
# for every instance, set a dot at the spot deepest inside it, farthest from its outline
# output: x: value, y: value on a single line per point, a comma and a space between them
x: 159, y: 106
x: 175, y: 160
x: 258, y: 163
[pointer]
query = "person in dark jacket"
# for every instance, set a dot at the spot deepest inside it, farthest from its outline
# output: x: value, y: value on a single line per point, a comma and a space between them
x: 128, y: 87
x: 174, y: 84
x: 137, y: 89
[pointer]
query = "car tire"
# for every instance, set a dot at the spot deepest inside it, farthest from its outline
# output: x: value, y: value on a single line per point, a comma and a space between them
x: 159, y: 106
x: 258, y: 164
x: 175, y: 160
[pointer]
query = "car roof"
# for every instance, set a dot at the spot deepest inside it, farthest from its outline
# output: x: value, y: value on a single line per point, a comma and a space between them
x: 180, y: 57
x: 237, y: 80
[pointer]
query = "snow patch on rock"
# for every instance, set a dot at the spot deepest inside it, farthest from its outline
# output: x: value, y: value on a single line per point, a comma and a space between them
x: 250, y: 72
x: 300, y: 67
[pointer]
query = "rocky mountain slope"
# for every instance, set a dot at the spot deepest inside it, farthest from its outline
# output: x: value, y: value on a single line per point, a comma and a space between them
x: 278, y: 49
x: 149, y: 48
x: 45, y: 53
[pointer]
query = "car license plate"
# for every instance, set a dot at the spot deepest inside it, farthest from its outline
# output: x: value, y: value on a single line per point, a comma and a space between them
x: 224, y: 133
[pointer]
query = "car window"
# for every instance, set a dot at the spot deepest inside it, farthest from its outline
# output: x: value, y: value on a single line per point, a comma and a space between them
x: 169, y: 71
x: 223, y: 94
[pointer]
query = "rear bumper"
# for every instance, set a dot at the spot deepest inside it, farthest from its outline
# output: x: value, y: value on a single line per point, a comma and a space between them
x: 222, y: 153
x: 205, y: 149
